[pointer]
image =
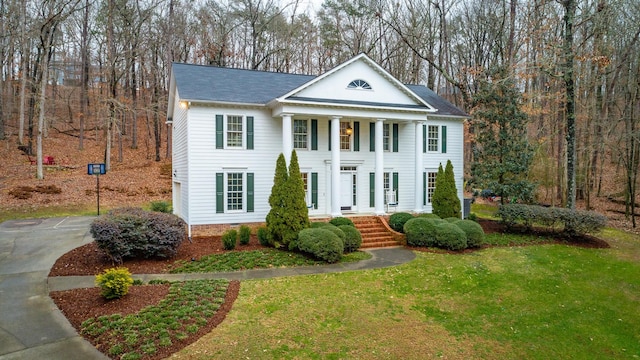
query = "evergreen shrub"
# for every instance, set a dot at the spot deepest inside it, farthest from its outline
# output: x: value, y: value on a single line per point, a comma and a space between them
x: 337, y: 221
x: 114, y: 283
x: 474, y: 232
x: 229, y: 239
x: 263, y: 236
x: 397, y: 220
x: 161, y: 206
x: 245, y: 234
x: 321, y: 243
x: 449, y: 236
x: 352, y: 238
x: 420, y: 232
x: 134, y: 233
x: 573, y: 222
x: 429, y: 216
x: 452, y: 219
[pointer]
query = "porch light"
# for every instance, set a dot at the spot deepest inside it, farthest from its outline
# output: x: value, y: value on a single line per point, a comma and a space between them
x: 349, y: 130
x: 184, y: 104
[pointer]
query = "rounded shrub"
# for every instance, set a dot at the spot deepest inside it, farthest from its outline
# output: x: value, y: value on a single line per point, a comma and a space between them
x: 452, y: 219
x: 449, y: 236
x: 473, y: 230
x: 420, y: 232
x: 352, y: 238
x: 337, y: 221
x: 429, y: 216
x: 322, y: 243
x: 318, y: 224
x: 397, y: 221
x: 161, y: 206
x: 114, y: 283
x: 245, y: 234
x: 229, y: 239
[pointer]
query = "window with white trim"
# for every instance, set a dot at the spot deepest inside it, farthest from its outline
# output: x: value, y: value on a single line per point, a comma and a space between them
x: 345, y: 138
x: 433, y: 137
x: 386, y: 138
x: 235, y: 191
x: 234, y: 131
x: 300, y: 134
x: 431, y: 184
x: 307, y: 187
x: 359, y: 84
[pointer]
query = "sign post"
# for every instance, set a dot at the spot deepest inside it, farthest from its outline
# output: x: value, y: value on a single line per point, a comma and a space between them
x: 97, y: 170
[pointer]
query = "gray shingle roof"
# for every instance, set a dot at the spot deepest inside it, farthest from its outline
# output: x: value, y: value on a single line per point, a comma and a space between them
x: 217, y: 84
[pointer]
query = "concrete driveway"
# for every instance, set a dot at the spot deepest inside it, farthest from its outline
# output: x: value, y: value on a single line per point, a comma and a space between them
x: 31, y: 326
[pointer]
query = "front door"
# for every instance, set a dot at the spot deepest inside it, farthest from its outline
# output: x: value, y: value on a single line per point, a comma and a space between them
x: 347, y: 190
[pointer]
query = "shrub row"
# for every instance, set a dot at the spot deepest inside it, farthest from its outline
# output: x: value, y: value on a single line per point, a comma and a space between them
x: 571, y: 221
x: 452, y: 235
x: 135, y: 233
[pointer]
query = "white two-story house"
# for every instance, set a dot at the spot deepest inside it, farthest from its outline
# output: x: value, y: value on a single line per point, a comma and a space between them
x: 366, y: 143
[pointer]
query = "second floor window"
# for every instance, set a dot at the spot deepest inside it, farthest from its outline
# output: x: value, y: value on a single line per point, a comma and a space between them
x: 433, y: 136
x: 234, y: 131
x: 300, y: 134
x: 345, y: 137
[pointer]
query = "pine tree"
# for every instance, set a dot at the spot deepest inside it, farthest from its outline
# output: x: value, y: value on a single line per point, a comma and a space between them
x: 276, y: 220
x: 297, y: 214
x: 446, y: 202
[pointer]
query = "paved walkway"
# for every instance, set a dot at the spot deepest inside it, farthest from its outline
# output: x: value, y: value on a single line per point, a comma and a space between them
x: 32, y: 327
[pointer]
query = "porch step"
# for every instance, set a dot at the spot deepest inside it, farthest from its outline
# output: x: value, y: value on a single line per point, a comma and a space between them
x: 374, y: 233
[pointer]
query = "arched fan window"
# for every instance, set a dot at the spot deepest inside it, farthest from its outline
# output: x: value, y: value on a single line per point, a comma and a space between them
x: 359, y: 84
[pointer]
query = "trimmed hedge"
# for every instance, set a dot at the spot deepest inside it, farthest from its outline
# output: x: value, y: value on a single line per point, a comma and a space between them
x: 263, y: 236
x: 337, y: 221
x: 397, y: 220
x: 352, y: 238
x: 573, y: 222
x: 420, y: 232
x: 452, y: 219
x: 134, y: 233
x: 429, y: 216
x: 449, y: 236
x: 473, y: 230
x: 322, y: 243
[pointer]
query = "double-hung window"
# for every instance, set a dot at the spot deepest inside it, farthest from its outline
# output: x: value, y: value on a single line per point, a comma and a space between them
x: 433, y: 138
x: 386, y: 137
x: 234, y: 191
x: 430, y: 185
x: 234, y: 132
x: 300, y: 134
x: 345, y: 136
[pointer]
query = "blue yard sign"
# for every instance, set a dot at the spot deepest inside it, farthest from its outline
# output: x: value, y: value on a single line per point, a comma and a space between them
x: 97, y: 169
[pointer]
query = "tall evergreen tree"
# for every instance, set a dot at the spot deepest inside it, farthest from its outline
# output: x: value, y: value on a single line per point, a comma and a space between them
x: 446, y: 202
x: 276, y: 218
x: 503, y: 154
x: 297, y: 214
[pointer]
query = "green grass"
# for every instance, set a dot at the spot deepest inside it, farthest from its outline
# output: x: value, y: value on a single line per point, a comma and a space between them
x: 533, y: 302
x: 186, y: 308
x: 256, y: 259
x: 486, y: 211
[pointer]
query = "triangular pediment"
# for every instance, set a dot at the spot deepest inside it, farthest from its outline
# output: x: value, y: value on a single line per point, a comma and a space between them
x: 359, y: 81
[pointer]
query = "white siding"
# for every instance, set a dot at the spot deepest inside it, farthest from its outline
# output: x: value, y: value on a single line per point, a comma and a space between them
x: 180, y: 169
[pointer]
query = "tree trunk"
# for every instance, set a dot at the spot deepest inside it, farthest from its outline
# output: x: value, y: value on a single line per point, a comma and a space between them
x: 570, y: 107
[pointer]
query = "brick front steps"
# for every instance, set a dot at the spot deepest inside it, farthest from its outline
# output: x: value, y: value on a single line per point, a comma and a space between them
x: 374, y: 233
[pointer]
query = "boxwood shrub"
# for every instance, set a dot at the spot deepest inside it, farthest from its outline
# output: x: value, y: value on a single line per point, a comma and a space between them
x: 452, y: 219
x: 263, y: 236
x: 245, y: 234
x: 322, y: 243
x: 420, y: 232
x: 449, y: 236
x: 397, y: 220
x: 337, y: 221
x: 429, y: 216
x: 474, y: 232
x: 229, y: 239
x: 352, y: 238
x: 134, y: 233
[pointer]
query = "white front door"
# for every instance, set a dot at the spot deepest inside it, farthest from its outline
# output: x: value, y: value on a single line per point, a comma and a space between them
x: 346, y: 190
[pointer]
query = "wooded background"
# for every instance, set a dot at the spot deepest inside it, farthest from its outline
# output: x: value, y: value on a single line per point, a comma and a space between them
x: 98, y: 69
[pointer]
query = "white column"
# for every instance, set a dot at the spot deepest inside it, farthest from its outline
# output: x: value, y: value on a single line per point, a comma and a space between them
x: 379, y: 176
x: 335, y: 167
x: 287, y: 136
x: 419, y: 168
